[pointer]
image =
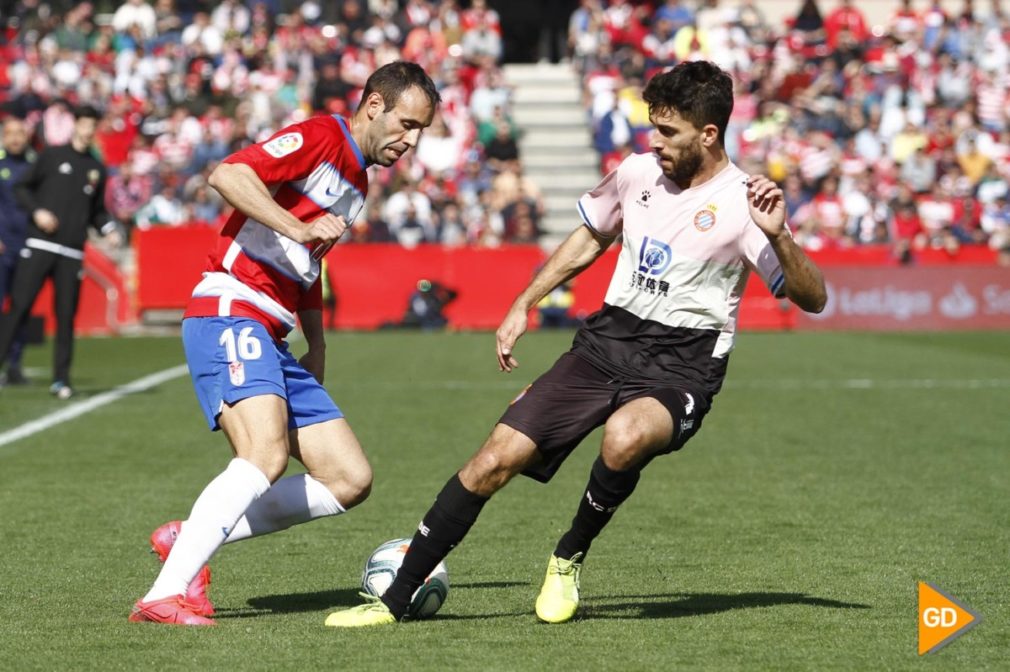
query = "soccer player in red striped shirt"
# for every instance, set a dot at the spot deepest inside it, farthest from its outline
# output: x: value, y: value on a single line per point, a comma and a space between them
x: 294, y: 196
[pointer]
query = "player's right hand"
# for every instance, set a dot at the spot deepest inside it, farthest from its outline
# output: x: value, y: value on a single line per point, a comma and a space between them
x: 45, y: 220
x: 512, y: 327
x: 326, y: 229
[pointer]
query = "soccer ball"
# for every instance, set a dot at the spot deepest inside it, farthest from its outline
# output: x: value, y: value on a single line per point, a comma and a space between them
x: 380, y: 570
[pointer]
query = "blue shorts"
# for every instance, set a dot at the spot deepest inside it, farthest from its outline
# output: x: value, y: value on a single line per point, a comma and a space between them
x: 233, y: 358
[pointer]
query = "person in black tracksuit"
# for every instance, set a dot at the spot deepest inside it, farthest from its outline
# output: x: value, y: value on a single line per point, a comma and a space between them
x: 16, y: 157
x: 64, y: 193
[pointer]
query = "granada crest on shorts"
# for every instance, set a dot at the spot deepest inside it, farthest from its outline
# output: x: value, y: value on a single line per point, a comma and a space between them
x: 704, y: 220
x: 236, y: 372
x: 283, y: 145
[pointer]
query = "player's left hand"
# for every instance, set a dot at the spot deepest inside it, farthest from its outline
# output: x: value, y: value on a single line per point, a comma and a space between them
x: 512, y: 327
x: 767, y: 205
x: 314, y: 361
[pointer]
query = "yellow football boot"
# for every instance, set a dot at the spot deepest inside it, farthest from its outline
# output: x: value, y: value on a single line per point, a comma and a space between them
x: 372, y: 612
x: 559, y: 596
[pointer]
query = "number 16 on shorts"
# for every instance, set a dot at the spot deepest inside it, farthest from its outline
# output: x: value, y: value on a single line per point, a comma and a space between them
x: 245, y: 346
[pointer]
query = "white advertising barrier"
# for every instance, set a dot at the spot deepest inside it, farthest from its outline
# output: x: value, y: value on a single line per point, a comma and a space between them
x: 913, y: 298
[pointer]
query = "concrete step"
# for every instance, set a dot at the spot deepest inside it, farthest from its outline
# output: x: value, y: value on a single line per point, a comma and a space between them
x: 578, y: 149
x: 564, y: 182
x: 528, y: 116
x: 553, y: 95
x: 561, y: 137
x: 550, y: 160
x: 525, y: 74
x: 560, y: 203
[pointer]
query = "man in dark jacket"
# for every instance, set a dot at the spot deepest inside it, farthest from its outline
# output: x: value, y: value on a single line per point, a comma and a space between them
x: 16, y: 158
x: 63, y: 193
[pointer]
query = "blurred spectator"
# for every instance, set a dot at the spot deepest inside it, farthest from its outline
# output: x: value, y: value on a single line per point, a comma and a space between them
x: 164, y: 208
x: 554, y: 310
x: 126, y: 193
x: 502, y: 148
x: 136, y: 13
x: 919, y: 171
x: 845, y: 17
x: 438, y: 150
x: 231, y: 17
x: 201, y: 203
x: 16, y: 158
x: 409, y: 215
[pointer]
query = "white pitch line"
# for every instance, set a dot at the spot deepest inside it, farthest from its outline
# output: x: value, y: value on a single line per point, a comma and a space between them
x: 857, y: 384
x: 79, y: 408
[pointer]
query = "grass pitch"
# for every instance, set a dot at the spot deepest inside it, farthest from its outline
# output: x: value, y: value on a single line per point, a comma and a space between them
x: 834, y: 472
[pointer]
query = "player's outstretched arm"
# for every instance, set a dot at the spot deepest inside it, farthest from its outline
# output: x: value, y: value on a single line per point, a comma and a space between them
x: 578, y: 252
x: 245, y: 191
x: 804, y: 284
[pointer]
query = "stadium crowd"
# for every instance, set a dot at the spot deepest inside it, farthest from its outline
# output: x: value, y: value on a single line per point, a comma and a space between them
x: 897, y: 133
x: 184, y: 83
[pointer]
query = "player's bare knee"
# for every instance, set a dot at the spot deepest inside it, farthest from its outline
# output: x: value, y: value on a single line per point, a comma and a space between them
x: 353, y: 487
x: 486, y: 473
x: 624, y: 443
x: 272, y: 464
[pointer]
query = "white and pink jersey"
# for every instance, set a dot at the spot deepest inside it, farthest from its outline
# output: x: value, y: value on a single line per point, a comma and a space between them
x: 312, y: 168
x: 670, y: 312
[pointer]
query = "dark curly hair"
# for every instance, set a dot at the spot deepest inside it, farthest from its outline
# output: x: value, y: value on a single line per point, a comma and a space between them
x: 699, y: 91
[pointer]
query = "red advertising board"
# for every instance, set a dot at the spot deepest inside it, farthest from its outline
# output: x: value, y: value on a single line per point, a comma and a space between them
x: 913, y: 298
x: 372, y: 284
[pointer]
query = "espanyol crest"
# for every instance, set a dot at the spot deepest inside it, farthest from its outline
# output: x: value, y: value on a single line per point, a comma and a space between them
x: 704, y: 220
x: 654, y: 257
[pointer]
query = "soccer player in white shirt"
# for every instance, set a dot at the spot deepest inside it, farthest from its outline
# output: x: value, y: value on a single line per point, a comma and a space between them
x: 647, y: 364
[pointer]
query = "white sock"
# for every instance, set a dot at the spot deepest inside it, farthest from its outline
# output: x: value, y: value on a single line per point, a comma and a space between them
x: 214, y: 514
x: 291, y: 501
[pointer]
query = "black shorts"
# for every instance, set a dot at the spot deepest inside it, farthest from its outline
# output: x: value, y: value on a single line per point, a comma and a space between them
x: 574, y: 397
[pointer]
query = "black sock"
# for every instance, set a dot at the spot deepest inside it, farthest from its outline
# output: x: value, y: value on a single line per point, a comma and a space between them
x: 606, y: 491
x: 448, y: 520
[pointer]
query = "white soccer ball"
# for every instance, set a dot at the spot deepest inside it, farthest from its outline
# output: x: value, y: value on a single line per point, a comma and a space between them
x: 381, y: 568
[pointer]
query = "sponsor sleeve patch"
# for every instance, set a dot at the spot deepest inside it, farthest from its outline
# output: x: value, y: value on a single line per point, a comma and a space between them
x: 283, y: 145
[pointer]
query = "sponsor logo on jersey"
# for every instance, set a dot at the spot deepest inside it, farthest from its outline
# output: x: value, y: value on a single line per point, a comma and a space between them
x: 283, y: 145
x: 423, y: 529
x: 643, y: 200
x: 704, y: 220
x: 654, y: 257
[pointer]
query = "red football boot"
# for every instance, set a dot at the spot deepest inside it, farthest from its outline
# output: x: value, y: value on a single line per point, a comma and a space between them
x: 171, y: 610
x: 162, y: 540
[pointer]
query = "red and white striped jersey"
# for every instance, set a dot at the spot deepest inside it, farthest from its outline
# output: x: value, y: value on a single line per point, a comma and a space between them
x: 312, y: 168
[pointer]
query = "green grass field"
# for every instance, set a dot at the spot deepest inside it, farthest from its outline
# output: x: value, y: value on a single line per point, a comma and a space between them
x: 835, y: 471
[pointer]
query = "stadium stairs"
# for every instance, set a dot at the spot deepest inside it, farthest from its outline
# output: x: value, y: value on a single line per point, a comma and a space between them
x: 555, y: 143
